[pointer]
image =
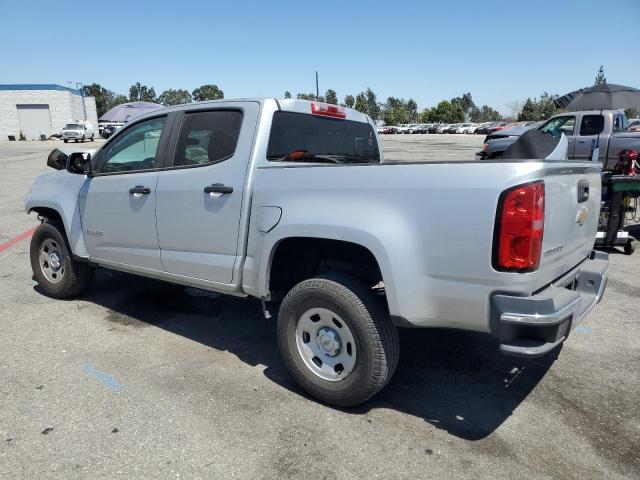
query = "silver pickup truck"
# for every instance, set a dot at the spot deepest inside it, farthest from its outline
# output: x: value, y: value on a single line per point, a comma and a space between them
x: 291, y: 202
x: 606, y: 129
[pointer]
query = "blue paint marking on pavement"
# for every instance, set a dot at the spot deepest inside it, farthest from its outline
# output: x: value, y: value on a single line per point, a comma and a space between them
x: 584, y: 329
x: 102, y: 377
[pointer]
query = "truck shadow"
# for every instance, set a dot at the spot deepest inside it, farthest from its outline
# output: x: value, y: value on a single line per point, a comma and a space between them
x: 456, y: 381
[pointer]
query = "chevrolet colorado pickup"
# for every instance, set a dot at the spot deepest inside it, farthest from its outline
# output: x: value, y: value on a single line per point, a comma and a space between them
x: 291, y: 202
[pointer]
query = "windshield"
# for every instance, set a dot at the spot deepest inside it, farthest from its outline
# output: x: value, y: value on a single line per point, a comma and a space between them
x: 312, y: 138
x: 72, y: 126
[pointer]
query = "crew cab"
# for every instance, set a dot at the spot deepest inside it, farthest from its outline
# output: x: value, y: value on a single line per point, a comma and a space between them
x: 291, y: 202
x: 607, y: 130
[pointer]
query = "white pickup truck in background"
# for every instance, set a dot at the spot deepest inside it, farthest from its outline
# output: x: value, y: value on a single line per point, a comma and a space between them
x: 291, y: 202
x: 78, y: 132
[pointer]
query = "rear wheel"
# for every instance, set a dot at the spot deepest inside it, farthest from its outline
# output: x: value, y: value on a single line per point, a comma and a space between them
x: 66, y: 141
x: 55, y: 270
x: 336, y: 339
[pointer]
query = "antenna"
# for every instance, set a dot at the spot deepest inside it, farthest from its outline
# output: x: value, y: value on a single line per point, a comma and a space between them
x: 317, y: 89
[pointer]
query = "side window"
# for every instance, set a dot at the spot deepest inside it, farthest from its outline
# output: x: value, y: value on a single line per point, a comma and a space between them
x: 559, y: 125
x: 135, y: 148
x: 592, y: 125
x: 207, y: 137
x: 619, y: 123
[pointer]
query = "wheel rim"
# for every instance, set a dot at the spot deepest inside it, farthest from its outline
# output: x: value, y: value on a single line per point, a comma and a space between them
x: 326, y: 344
x: 51, y: 261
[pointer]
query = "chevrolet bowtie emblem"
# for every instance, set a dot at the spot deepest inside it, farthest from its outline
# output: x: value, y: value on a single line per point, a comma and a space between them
x: 582, y: 216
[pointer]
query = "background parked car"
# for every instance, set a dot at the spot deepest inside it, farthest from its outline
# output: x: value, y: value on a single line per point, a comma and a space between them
x: 442, y: 128
x: 485, y: 129
x: 453, y: 127
x: 479, y: 126
x: 463, y: 127
x: 634, y: 125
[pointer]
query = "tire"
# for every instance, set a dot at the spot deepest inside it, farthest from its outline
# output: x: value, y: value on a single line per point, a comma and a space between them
x: 66, y: 141
x: 83, y: 139
x: 55, y: 270
x: 366, y: 337
x: 91, y: 139
x: 629, y: 248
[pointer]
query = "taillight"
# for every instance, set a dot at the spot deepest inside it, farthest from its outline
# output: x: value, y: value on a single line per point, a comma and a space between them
x: 519, y: 228
x: 328, y: 110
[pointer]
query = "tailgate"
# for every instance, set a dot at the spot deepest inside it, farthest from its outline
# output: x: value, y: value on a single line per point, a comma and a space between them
x: 571, y: 220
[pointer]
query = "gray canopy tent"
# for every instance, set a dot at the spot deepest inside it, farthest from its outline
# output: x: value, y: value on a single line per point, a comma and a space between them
x: 126, y: 112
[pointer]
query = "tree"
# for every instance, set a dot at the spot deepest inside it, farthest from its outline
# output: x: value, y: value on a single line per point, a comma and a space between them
x: 474, y: 114
x: 306, y: 96
x: 373, y: 109
x: 331, y: 97
x: 141, y: 93
x: 361, y: 103
x: 488, y: 114
x: 426, y: 116
x: 529, y: 111
x: 118, y: 100
x: 174, y: 97
x: 104, y: 98
x: 534, y: 110
x: 287, y: 94
x: 207, y: 92
x: 515, y: 107
x: 349, y: 101
x: 395, y: 111
x: 465, y: 103
x: 600, y: 78
x: 412, y: 110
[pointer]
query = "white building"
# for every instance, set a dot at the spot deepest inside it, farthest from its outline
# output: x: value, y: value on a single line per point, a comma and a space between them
x: 36, y: 110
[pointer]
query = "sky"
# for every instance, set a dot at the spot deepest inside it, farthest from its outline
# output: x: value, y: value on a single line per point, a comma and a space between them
x: 500, y: 51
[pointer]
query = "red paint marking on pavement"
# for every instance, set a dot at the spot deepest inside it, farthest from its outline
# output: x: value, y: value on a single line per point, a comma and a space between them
x: 17, y: 239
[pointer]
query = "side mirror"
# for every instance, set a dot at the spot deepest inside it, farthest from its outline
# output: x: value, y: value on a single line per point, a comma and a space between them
x: 79, y: 163
x: 57, y: 160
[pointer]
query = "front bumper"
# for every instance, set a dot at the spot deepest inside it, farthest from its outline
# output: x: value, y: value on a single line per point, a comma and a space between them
x: 533, y: 326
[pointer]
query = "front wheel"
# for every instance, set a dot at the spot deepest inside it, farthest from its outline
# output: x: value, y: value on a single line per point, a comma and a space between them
x: 66, y: 141
x: 337, y: 340
x: 629, y: 248
x: 55, y: 270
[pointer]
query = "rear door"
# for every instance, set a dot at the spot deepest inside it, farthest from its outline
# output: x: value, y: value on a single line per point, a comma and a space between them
x: 200, y: 194
x: 591, y: 126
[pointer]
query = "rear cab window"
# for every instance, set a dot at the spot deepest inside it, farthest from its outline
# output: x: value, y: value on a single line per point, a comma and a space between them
x: 207, y: 137
x: 300, y: 137
x: 591, y: 125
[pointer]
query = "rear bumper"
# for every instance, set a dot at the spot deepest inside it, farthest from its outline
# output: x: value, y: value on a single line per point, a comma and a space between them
x: 533, y: 326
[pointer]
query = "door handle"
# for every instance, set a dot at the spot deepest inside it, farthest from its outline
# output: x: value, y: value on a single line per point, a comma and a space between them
x: 219, y: 189
x: 139, y: 190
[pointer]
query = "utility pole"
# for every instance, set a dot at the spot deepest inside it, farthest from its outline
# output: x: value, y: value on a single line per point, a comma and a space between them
x: 317, y: 89
x: 80, y: 87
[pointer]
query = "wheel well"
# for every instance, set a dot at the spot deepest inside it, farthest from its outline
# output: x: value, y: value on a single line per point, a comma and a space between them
x: 48, y: 213
x: 299, y: 258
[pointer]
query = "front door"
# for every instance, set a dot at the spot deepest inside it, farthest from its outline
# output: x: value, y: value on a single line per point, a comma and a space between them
x: 200, y: 194
x: 117, y: 208
x: 562, y: 124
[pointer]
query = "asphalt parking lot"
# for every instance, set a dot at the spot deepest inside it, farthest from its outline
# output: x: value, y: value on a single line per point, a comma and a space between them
x: 139, y: 379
